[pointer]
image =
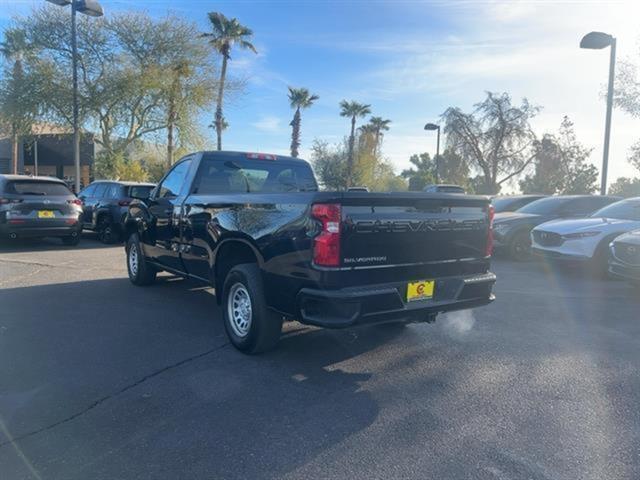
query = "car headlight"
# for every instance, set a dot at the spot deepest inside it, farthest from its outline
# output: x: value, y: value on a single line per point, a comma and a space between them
x: 574, y: 236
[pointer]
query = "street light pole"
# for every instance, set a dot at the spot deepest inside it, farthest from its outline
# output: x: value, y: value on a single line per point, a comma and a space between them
x: 598, y: 41
x: 91, y: 8
x: 74, y: 61
x: 433, y: 126
x: 607, y: 127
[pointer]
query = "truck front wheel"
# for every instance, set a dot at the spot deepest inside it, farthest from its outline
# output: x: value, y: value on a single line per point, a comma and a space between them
x: 140, y: 272
x: 251, y: 326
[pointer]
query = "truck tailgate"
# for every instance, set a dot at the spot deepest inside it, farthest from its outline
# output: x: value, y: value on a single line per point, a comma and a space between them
x: 396, y: 229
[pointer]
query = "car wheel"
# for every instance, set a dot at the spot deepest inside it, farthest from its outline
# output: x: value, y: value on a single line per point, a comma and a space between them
x: 252, y: 327
x: 520, y: 247
x: 106, y: 231
x: 139, y: 270
x: 71, y: 240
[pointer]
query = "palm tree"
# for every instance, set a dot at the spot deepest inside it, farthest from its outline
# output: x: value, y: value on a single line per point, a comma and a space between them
x: 352, y: 110
x: 226, y: 32
x: 299, y: 98
x: 14, y: 48
x: 379, y: 125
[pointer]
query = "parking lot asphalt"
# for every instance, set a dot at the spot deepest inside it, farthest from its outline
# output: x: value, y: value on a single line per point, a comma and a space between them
x: 103, y: 380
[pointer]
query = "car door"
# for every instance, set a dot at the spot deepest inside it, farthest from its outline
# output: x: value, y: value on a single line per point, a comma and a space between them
x: 162, y: 244
x: 93, y: 203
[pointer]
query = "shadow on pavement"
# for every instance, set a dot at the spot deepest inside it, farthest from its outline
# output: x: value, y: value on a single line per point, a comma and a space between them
x: 88, y: 241
x: 147, y: 375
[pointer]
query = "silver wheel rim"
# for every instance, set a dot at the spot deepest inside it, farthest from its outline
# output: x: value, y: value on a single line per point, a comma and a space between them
x: 239, y: 310
x: 133, y: 260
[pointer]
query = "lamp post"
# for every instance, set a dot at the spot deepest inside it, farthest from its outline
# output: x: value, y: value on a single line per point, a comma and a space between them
x: 433, y: 126
x: 93, y: 9
x: 598, y: 41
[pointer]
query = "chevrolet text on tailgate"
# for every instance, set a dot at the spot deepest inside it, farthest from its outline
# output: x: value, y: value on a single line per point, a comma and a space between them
x: 256, y: 228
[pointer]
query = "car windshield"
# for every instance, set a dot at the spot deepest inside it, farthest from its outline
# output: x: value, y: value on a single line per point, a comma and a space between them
x: 624, y: 210
x: 36, y: 187
x: 544, y: 206
x: 140, y: 191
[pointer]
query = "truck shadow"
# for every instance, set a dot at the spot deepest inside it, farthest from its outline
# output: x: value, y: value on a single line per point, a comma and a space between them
x: 76, y: 380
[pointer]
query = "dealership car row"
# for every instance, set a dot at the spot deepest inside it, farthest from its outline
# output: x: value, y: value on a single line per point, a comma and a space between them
x: 601, y: 232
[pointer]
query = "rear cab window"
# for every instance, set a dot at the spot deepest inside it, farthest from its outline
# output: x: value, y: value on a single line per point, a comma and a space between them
x: 37, y: 187
x: 218, y: 175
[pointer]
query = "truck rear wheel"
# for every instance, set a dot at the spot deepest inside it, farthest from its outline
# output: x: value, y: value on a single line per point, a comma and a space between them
x: 140, y: 272
x: 252, y: 327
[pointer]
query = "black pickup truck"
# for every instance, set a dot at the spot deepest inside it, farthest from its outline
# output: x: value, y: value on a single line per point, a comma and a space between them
x: 255, y: 227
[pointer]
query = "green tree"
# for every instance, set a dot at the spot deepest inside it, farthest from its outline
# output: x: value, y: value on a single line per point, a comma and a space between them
x: 226, y: 32
x: 451, y: 169
x: 17, y: 94
x: 299, y: 99
x: 561, y: 165
x: 131, y: 74
x: 352, y: 110
x: 379, y: 125
x: 422, y: 173
x: 495, y: 139
x: 330, y: 165
x: 625, y: 187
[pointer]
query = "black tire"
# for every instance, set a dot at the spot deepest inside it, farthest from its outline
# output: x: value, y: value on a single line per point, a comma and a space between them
x: 71, y: 240
x: 242, y: 288
x: 139, y: 270
x: 107, y: 231
x: 520, y: 247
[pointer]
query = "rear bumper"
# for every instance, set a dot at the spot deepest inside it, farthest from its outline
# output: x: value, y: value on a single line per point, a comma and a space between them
x: 380, y: 303
x: 34, y: 228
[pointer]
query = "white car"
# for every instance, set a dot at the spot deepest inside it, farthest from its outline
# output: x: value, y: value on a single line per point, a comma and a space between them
x: 586, y: 239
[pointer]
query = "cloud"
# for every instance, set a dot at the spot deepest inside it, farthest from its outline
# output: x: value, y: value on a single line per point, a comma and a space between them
x: 269, y: 124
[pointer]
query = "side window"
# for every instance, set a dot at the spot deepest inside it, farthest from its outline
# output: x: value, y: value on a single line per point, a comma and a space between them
x: 101, y: 188
x: 583, y: 206
x: 113, y: 191
x: 173, y: 182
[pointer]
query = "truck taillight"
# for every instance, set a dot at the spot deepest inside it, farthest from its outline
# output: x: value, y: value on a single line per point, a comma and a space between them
x: 326, y: 246
x: 489, y: 251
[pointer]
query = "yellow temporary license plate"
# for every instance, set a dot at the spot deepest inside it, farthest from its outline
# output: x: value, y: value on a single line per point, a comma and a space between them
x: 46, y: 214
x: 420, y: 290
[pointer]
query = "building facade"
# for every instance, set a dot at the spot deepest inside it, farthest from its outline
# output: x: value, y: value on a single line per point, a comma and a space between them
x: 50, y: 154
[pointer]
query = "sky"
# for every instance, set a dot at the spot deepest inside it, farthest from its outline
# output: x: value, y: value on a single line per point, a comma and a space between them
x: 411, y: 60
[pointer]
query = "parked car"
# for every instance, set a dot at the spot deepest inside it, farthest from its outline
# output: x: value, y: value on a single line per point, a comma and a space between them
x: 512, y: 230
x: 38, y: 207
x: 443, y: 188
x: 587, y: 239
x: 256, y: 228
x: 511, y: 203
x: 106, y: 204
x: 624, y: 257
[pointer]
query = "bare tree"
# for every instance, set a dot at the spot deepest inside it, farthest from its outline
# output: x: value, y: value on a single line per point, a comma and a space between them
x: 496, y: 138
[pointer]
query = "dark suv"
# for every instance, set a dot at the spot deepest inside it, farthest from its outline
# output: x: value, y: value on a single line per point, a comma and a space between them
x: 38, y: 207
x: 105, y: 206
